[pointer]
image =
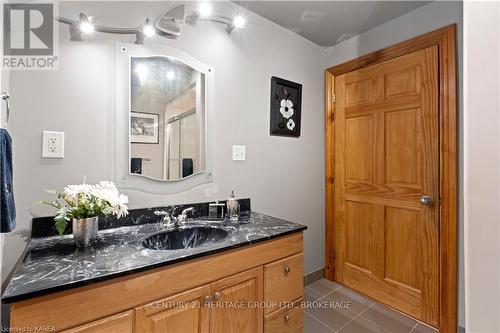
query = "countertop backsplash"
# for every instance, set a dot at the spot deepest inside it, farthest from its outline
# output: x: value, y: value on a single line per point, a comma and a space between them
x: 44, y: 226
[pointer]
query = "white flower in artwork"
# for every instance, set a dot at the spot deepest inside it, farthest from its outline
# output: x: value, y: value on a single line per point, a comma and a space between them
x: 290, y: 124
x: 286, y: 108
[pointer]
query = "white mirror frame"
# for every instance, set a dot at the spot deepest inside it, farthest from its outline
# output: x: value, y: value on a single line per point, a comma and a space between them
x: 123, y: 178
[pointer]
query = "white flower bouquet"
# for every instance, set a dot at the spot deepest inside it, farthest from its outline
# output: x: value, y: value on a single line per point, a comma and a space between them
x: 87, y: 201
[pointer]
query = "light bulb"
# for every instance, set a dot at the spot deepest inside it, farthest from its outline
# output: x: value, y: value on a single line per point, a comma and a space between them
x: 239, y: 22
x: 205, y: 9
x: 148, y: 29
x: 86, y: 25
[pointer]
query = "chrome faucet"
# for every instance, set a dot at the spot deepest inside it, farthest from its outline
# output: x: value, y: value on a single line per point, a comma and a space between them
x: 170, y: 221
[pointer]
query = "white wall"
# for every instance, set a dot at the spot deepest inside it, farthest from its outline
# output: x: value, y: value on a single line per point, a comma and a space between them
x: 482, y: 165
x: 422, y: 20
x: 283, y: 176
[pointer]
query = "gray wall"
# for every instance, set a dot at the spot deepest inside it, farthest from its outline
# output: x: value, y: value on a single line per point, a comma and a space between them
x: 283, y: 176
x: 424, y: 19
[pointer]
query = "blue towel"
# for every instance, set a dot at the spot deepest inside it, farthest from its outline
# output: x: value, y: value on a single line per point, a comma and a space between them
x: 7, y: 206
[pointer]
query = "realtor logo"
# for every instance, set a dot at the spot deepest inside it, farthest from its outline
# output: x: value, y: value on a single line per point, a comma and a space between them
x: 28, y: 36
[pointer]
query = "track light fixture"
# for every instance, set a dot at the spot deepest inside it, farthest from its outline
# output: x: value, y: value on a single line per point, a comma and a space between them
x: 168, y: 24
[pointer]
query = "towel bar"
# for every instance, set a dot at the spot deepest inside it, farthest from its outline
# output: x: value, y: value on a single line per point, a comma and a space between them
x: 5, y: 96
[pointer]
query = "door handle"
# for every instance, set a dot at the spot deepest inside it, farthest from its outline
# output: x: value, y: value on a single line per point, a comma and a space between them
x: 426, y: 200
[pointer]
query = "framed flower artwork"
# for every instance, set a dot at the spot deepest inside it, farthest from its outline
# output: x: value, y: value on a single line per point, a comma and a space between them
x: 286, y: 98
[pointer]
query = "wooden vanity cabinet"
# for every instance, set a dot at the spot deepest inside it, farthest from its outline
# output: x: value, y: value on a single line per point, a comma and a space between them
x: 210, y: 308
x: 221, y: 293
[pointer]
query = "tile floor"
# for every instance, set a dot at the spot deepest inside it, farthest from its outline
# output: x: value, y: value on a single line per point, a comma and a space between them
x: 363, y: 315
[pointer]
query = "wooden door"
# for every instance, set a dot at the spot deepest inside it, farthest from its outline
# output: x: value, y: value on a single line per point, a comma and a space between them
x: 181, y: 313
x: 235, y: 306
x: 386, y: 160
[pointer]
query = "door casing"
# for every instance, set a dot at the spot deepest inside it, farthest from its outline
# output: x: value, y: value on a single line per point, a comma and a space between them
x: 445, y: 40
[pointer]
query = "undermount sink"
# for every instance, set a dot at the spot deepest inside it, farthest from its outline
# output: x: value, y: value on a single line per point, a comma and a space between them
x: 184, y: 238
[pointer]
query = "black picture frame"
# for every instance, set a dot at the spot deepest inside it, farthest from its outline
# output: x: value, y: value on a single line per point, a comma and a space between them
x: 280, y: 124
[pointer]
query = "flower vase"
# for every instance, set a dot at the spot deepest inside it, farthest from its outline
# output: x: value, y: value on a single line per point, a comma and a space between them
x: 85, y: 231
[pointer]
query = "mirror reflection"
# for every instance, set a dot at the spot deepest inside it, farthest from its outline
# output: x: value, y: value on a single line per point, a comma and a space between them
x: 167, y: 118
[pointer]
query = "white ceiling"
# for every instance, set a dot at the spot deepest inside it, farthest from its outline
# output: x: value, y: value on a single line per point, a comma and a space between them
x: 327, y: 23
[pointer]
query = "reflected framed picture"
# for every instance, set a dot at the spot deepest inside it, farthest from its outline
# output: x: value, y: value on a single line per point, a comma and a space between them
x: 144, y: 127
x: 286, y: 105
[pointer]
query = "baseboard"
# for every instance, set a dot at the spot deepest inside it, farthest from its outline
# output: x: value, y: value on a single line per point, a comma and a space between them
x: 314, y: 276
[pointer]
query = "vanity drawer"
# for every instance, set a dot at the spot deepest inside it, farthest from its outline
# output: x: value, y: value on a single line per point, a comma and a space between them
x: 284, y: 280
x: 286, y: 320
x: 119, y: 323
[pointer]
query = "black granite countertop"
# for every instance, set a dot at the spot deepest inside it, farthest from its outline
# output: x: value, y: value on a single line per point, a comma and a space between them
x: 54, y: 263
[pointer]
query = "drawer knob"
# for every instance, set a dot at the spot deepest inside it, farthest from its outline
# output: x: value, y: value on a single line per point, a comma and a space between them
x: 287, y: 269
x: 208, y: 299
x: 217, y: 296
x: 287, y: 318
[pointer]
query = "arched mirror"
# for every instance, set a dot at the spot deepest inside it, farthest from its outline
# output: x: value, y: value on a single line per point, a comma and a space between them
x: 167, y: 117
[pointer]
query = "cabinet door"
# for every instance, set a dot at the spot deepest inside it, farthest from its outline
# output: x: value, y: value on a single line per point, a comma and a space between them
x: 235, y: 303
x: 181, y: 313
x: 119, y: 323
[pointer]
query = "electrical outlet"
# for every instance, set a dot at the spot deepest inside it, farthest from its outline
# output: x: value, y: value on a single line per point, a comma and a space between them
x: 239, y: 153
x: 52, y: 144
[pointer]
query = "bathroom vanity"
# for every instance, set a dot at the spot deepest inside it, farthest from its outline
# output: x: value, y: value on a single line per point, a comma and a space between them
x: 248, y: 281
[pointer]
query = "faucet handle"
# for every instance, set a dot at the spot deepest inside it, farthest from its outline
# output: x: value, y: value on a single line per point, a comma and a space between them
x: 187, y: 210
x: 167, y: 221
x: 183, y: 217
x: 161, y: 213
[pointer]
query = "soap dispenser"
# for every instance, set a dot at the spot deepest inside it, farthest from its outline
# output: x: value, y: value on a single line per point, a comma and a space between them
x: 233, y: 208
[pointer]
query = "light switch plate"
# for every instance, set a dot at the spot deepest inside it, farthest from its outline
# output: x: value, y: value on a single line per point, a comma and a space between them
x: 52, y: 144
x: 239, y: 153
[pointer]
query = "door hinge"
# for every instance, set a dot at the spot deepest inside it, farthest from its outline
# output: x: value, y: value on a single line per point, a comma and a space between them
x: 334, y: 98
